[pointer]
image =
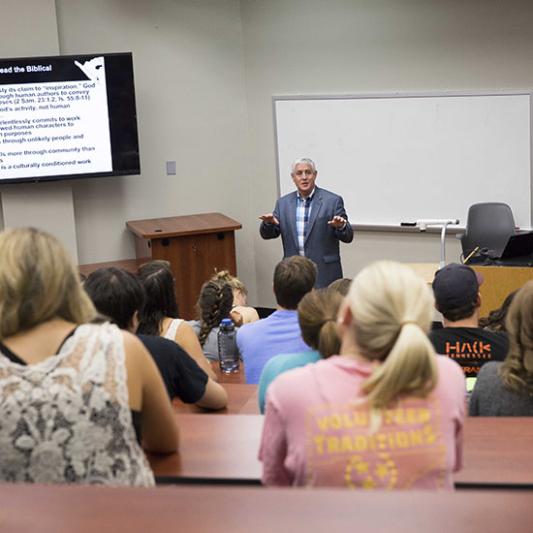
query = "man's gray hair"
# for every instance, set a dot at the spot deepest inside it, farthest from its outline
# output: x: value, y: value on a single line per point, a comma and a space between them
x: 303, y: 161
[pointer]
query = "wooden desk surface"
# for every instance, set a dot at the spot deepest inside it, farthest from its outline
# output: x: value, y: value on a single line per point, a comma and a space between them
x: 497, y: 451
x: 242, y: 399
x: 55, y: 509
x: 213, y: 448
x: 237, y: 377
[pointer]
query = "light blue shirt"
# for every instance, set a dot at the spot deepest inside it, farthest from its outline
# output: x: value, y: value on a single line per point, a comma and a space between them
x: 279, y: 364
x: 260, y: 341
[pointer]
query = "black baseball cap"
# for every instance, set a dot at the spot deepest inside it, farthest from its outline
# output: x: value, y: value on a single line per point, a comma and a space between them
x: 455, y: 286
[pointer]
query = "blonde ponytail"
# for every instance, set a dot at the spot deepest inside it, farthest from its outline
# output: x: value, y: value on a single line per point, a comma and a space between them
x: 408, y: 369
x: 392, y: 309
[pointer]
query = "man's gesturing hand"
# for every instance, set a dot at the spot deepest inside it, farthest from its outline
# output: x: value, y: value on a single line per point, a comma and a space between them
x: 337, y: 222
x: 269, y: 219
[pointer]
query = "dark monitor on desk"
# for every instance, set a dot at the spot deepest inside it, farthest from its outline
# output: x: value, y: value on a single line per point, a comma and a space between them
x: 518, y: 245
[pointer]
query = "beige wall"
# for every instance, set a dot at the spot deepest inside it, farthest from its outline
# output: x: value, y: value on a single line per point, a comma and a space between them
x: 352, y: 46
x: 189, y: 78
x: 28, y: 28
x: 205, y: 73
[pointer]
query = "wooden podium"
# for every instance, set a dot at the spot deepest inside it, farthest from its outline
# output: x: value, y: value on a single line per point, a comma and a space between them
x: 194, y: 245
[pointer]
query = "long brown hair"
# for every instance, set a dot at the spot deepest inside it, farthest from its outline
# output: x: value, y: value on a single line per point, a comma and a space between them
x: 160, y: 302
x: 495, y: 321
x: 517, y: 369
x: 317, y: 316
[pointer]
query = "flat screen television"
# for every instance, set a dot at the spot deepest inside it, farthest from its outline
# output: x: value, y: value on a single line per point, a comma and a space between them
x: 64, y: 117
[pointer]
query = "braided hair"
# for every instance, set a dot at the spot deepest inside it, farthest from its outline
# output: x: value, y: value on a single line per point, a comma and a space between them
x: 214, y: 304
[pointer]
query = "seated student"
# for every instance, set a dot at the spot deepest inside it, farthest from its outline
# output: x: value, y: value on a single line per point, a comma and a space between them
x: 506, y: 389
x: 317, y: 316
x: 385, y: 414
x: 119, y: 295
x: 241, y: 313
x: 159, y: 314
x: 68, y: 389
x: 456, y: 289
x: 214, y: 304
x: 278, y: 333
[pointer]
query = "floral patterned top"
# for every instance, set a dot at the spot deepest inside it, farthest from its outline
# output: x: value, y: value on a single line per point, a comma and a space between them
x: 66, y: 419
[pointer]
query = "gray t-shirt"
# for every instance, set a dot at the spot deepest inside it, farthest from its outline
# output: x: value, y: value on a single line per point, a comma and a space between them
x: 210, y: 347
x: 491, y: 398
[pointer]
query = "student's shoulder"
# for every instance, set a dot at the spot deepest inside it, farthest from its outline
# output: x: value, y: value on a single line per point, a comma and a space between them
x: 497, y: 336
x: 251, y: 329
x: 440, y: 333
x: 160, y: 345
x: 449, y: 369
x: 489, y: 371
x: 195, y: 325
x: 286, y: 383
x: 284, y: 362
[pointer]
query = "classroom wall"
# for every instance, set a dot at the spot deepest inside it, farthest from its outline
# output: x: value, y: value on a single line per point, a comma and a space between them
x: 26, y: 28
x: 352, y: 46
x: 189, y: 77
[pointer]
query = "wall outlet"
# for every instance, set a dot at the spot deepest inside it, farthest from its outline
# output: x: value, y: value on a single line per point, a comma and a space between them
x: 171, y: 168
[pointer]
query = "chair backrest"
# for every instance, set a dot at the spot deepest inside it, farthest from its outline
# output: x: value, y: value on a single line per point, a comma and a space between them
x: 489, y: 225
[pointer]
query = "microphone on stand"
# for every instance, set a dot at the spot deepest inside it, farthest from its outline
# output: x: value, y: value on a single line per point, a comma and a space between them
x: 423, y: 224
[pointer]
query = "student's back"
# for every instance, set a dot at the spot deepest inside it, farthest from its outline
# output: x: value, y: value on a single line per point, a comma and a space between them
x: 506, y: 389
x: 387, y: 413
x: 182, y: 376
x: 279, y: 333
x: 259, y: 341
x: 457, y: 297
x: 65, y: 418
x: 491, y: 397
x: 67, y: 387
x: 470, y: 347
x: 315, y: 409
x: 317, y: 317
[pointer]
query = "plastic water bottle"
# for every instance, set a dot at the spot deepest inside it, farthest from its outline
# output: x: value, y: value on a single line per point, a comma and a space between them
x: 227, y: 347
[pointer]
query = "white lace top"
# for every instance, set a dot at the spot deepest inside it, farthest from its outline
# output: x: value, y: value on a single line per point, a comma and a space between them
x: 173, y: 328
x: 67, y: 418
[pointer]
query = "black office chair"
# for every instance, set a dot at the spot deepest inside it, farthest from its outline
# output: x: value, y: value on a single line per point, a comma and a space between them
x: 489, y: 225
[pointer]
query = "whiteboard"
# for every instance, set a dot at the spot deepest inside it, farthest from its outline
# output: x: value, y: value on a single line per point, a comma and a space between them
x: 400, y: 158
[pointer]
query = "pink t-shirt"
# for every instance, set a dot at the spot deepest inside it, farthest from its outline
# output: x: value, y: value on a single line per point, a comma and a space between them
x: 316, y: 433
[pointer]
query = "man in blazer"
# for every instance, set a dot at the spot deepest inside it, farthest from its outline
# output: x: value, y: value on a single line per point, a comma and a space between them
x: 311, y: 222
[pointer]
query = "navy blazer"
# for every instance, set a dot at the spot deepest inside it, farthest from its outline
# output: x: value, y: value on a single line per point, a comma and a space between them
x: 322, y: 241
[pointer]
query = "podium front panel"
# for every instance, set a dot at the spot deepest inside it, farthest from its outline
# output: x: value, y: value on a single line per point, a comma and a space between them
x: 194, y: 259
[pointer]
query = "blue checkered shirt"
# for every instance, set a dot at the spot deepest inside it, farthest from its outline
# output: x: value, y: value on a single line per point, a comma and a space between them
x: 303, y: 210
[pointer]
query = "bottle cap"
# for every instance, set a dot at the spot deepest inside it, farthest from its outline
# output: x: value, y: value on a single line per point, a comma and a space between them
x: 226, y: 322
